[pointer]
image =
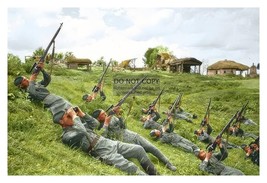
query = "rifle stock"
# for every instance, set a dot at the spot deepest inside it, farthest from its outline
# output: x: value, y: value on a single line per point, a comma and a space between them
x: 35, y: 69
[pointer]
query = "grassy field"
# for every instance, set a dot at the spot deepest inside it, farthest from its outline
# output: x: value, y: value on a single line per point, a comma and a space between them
x: 34, y: 143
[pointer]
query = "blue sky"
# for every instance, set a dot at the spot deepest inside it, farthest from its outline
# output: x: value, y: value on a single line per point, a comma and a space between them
x: 208, y: 34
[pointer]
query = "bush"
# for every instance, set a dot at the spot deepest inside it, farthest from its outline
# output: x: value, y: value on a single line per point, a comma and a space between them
x: 14, y: 65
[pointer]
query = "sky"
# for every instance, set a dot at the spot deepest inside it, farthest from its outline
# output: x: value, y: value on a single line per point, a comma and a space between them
x: 207, y: 34
x: 208, y: 30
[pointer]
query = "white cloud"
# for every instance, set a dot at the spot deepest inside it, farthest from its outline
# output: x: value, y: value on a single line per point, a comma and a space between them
x: 122, y: 33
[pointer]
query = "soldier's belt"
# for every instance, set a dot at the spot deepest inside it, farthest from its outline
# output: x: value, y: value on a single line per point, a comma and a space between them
x: 92, y: 145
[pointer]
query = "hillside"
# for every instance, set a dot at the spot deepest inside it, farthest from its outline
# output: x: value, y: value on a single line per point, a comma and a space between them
x: 34, y: 143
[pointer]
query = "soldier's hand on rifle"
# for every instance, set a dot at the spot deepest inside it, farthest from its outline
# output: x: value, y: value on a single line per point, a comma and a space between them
x: 99, y: 86
x: 107, y: 120
x: 116, y: 110
x: 154, y: 108
x: 208, y: 155
x: 170, y: 119
x: 33, y: 77
x: 145, y: 111
x: 41, y: 65
x: 148, y: 117
x: 79, y: 112
x: 71, y: 113
x: 219, y: 141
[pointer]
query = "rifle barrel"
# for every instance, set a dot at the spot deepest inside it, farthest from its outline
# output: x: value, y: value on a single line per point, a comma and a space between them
x: 34, y: 68
x: 127, y: 94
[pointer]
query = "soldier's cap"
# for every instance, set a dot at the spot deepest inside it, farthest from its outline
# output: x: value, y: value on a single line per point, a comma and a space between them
x: 18, y: 80
x: 96, y: 113
x: 196, y: 152
x: 243, y: 146
x: 57, y: 116
x: 152, y: 133
x: 85, y: 96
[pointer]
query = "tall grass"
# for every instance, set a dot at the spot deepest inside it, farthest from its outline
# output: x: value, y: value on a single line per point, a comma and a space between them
x: 34, y: 144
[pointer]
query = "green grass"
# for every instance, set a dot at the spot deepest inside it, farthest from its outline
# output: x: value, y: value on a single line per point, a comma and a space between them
x: 34, y: 144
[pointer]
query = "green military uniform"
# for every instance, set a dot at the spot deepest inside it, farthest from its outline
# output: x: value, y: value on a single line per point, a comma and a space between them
x: 116, y: 130
x: 215, y: 166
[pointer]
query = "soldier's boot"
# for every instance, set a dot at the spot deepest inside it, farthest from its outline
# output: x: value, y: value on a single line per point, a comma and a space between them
x: 140, y: 172
x: 171, y: 167
x: 189, y: 120
x: 149, y: 168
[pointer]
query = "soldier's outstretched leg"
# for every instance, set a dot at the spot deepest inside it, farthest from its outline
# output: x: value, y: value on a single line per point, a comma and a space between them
x: 150, y: 148
x: 138, y: 152
x: 149, y: 167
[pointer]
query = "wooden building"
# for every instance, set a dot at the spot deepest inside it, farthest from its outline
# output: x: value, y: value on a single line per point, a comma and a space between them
x: 185, y: 65
x: 226, y: 67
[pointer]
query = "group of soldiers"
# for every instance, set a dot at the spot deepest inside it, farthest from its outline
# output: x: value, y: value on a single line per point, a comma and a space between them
x: 211, y: 162
x: 104, y: 135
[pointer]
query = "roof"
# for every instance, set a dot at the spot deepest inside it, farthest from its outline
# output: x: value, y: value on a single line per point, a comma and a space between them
x: 227, y: 64
x: 79, y: 60
x: 187, y: 61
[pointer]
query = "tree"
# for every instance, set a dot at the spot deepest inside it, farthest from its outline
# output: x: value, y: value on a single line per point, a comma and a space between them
x: 69, y: 55
x: 38, y: 53
x: 151, y: 55
x: 100, y: 62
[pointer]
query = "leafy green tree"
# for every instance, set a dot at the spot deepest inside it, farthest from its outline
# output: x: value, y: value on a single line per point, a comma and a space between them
x: 68, y: 56
x: 100, y: 62
x: 59, y: 56
x: 148, y: 60
x: 152, y: 53
x: 38, y: 53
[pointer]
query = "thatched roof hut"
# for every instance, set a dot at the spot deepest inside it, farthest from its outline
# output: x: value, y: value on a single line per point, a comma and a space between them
x: 228, y: 64
x: 226, y: 67
x: 79, y: 60
x: 74, y: 63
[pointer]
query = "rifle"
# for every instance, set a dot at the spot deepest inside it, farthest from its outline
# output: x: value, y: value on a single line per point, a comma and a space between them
x: 126, y: 95
x: 206, y: 117
x: 213, y: 145
x: 239, y: 115
x: 35, y: 69
x: 179, y: 101
x: 172, y: 109
x: 96, y: 88
x: 154, y: 102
